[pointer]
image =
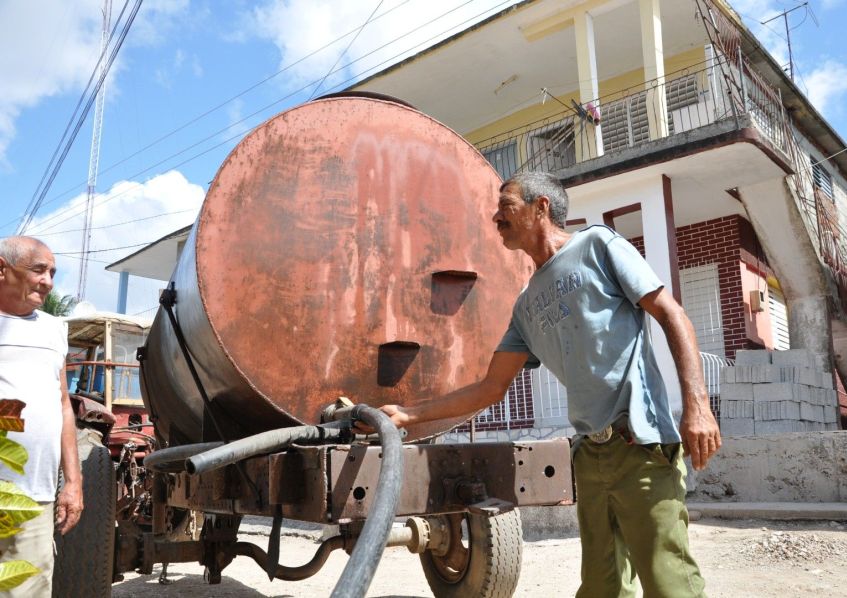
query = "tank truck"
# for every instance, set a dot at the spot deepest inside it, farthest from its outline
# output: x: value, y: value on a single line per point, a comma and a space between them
x: 343, y: 259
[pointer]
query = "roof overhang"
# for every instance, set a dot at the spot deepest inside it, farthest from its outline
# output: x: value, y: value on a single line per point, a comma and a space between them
x: 157, y: 260
x: 499, y: 66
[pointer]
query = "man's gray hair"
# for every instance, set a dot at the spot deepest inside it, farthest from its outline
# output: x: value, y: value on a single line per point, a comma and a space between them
x: 14, y: 249
x: 536, y: 184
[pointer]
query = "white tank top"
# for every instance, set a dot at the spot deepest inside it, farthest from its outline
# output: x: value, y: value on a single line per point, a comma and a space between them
x: 32, y: 358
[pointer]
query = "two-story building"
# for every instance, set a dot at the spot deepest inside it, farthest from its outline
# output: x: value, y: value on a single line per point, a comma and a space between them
x: 668, y: 121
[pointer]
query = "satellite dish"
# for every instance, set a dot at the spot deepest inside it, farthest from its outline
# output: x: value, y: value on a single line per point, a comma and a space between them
x: 83, y: 309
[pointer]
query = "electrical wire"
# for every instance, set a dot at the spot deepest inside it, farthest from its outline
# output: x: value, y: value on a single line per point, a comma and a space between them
x: 73, y: 253
x: 340, y: 56
x: 221, y: 104
x: 71, y: 120
x: 40, y: 196
x: 286, y: 97
x: 154, y: 216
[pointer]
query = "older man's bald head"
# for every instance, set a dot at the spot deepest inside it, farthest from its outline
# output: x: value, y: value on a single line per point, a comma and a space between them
x: 14, y: 249
x: 27, y: 267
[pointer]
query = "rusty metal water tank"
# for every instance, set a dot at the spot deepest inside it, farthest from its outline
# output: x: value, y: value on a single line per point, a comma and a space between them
x: 345, y: 248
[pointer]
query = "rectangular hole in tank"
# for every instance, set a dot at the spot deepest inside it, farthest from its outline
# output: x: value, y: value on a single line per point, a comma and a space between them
x: 450, y: 288
x: 393, y: 361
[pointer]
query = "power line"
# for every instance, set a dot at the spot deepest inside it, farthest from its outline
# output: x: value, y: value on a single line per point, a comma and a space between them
x: 76, y: 230
x: 288, y: 96
x: 225, y: 102
x: 76, y: 253
x: 40, y: 196
x: 340, y: 56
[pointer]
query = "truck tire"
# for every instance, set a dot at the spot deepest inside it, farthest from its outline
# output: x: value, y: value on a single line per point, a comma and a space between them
x: 486, y: 565
x: 85, y: 555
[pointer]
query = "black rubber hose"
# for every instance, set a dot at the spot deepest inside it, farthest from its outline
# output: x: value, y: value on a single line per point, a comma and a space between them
x: 172, y: 459
x: 259, y: 444
x: 357, y: 575
x: 292, y: 573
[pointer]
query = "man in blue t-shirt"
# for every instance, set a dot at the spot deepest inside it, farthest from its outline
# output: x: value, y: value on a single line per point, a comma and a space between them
x: 583, y: 314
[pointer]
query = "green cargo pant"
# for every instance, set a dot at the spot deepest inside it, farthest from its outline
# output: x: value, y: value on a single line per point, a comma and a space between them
x: 633, y: 521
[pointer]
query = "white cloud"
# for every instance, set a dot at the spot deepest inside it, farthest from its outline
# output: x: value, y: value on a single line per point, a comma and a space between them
x: 298, y: 27
x: 827, y: 85
x: 142, y: 204
x: 46, y: 48
x: 50, y: 47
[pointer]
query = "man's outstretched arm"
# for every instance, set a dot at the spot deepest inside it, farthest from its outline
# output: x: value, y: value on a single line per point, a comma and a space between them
x: 701, y: 437
x: 471, y: 398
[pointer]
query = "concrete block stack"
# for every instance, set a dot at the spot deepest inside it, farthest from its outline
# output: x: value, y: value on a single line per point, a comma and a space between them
x: 776, y: 392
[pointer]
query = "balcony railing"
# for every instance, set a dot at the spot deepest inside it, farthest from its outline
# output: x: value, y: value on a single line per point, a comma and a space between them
x: 684, y: 100
x: 712, y: 367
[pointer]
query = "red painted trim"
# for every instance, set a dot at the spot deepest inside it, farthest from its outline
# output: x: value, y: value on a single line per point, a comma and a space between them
x: 609, y: 217
x: 673, y: 256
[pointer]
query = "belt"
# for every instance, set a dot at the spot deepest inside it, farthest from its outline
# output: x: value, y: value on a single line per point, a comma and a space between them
x: 619, y: 426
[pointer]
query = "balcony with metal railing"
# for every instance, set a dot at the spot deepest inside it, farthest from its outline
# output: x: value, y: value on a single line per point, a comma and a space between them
x: 719, y: 90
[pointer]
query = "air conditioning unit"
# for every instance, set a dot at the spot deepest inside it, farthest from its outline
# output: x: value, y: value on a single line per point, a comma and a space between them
x: 757, y: 301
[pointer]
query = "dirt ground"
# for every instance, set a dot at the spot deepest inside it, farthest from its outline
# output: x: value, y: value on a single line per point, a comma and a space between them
x: 746, y: 558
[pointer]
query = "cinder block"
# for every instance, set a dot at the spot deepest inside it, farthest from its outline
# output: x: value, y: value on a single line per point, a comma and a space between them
x: 830, y: 415
x: 826, y: 380
x: 743, y: 373
x: 811, y: 413
x: 799, y: 357
x: 764, y: 373
x: 786, y: 374
x: 777, y: 427
x: 777, y: 410
x: 830, y: 397
x: 779, y: 391
x: 831, y: 427
x: 746, y: 357
x: 737, y: 392
x: 728, y: 375
x: 809, y: 377
x: 737, y: 427
x: 736, y: 409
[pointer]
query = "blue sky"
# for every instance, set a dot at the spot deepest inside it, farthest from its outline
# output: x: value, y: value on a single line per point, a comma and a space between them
x: 194, y: 75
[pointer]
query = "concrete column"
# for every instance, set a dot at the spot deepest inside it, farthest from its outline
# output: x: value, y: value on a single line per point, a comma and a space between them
x: 654, y: 67
x: 123, y: 286
x: 654, y: 219
x: 589, y: 138
x: 809, y: 328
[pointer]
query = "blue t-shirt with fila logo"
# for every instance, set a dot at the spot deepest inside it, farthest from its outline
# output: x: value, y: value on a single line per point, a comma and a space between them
x: 579, y: 316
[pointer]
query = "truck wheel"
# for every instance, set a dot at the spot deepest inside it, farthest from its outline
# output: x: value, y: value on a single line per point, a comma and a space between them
x: 483, y: 559
x: 85, y: 555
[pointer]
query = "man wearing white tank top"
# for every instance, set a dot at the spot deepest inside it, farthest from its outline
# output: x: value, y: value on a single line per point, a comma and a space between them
x: 33, y: 346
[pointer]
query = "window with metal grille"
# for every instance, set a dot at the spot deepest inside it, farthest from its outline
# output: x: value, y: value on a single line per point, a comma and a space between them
x: 821, y: 178
x: 551, y: 148
x: 503, y: 157
x: 625, y: 123
x: 701, y: 299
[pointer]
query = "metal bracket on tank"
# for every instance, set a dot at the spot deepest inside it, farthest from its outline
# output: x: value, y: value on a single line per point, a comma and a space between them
x: 167, y: 300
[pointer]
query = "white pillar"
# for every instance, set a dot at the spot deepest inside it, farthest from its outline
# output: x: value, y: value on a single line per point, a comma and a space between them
x: 657, y: 251
x: 589, y: 138
x: 654, y: 67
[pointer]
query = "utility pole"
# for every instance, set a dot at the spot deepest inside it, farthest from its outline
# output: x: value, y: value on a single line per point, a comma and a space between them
x: 94, y: 158
x: 784, y: 14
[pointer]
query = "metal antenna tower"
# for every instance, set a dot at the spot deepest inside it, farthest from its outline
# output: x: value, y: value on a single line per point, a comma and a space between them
x: 94, y: 158
x: 784, y: 14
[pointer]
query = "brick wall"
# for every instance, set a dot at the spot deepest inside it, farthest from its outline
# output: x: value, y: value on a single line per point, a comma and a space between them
x: 726, y: 242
